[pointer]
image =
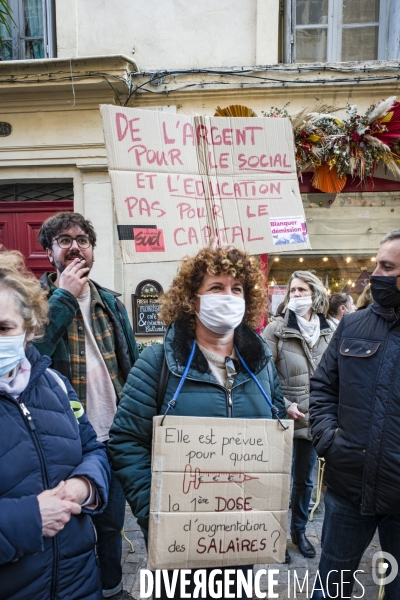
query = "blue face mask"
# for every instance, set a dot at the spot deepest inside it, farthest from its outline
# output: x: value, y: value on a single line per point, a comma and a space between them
x: 12, y: 351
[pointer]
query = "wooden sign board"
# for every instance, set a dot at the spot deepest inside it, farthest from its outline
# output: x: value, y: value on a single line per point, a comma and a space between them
x: 219, y: 493
x: 179, y: 181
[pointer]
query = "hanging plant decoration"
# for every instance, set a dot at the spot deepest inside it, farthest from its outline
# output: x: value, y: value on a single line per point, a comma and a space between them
x: 327, y: 179
x: 353, y: 147
x: 337, y: 148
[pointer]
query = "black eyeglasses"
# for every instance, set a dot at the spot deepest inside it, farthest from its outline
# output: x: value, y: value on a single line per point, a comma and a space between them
x: 66, y: 241
x: 232, y: 369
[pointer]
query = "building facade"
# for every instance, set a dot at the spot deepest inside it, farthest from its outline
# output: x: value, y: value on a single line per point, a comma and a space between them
x: 63, y: 58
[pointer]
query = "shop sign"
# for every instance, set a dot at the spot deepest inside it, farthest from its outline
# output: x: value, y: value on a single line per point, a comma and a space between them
x: 179, y: 181
x: 146, y: 307
x: 219, y: 492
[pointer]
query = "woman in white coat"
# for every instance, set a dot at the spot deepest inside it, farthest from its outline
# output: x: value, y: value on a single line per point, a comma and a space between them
x: 297, y: 339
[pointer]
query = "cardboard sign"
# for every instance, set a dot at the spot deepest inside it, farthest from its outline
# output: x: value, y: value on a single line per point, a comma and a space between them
x: 219, y: 492
x: 178, y: 181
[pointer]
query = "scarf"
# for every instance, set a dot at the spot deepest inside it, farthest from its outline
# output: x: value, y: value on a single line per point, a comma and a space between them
x: 333, y: 322
x: 310, y: 330
x: 17, y: 382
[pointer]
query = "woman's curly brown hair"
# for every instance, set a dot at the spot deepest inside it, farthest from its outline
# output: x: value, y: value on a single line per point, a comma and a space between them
x: 178, y: 301
x: 30, y: 299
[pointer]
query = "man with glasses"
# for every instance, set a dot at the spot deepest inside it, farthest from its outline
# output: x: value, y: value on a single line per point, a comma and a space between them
x: 90, y: 341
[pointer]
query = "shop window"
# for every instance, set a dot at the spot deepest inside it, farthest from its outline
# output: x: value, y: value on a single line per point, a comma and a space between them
x: 24, y: 192
x: 345, y: 232
x: 32, y: 34
x: 341, y: 30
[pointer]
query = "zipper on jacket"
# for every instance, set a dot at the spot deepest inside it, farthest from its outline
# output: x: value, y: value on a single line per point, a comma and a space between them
x: 229, y: 394
x: 54, y: 577
x: 54, y: 539
x: 28, y: 416
x: 29, y: 421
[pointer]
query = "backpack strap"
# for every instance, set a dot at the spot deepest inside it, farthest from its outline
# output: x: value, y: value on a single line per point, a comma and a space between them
x: 162, y: 384
x: 76, y: 406
x: 59, y: 380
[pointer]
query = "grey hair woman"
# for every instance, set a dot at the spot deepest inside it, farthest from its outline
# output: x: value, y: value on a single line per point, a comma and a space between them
x: 297, y: 339
x: 54, y: 475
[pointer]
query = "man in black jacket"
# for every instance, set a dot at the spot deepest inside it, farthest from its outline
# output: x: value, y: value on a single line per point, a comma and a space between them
x: 355, y: 424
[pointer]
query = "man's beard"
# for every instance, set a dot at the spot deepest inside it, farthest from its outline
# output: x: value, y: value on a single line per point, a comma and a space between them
x: 62, y: 265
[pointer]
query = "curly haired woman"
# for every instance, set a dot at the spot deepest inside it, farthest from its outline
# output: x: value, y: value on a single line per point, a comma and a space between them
x: 214, y: 303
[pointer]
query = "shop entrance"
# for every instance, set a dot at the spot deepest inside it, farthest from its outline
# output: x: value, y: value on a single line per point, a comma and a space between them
x: 345, y: 232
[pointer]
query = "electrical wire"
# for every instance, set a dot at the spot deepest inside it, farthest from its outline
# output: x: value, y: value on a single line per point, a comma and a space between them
x: 72, y: 81
x: 244, y: 77
x: 157, y: 78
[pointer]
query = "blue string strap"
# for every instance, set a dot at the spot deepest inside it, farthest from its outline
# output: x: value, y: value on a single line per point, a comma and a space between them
x: 172, y: 403
x: 273, y: 408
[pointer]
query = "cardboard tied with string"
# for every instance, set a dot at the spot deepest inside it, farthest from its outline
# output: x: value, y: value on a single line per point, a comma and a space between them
x: 219, y: 492
x: 179, y: 181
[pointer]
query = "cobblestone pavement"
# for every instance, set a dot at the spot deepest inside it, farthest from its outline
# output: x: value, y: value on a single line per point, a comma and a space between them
x: 133, y: 562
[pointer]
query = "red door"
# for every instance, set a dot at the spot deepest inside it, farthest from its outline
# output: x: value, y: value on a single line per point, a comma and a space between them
x: 6, y: 230
x: 19, y: 227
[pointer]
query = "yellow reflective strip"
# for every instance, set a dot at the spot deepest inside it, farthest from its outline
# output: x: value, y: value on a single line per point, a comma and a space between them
x: 77, y: 408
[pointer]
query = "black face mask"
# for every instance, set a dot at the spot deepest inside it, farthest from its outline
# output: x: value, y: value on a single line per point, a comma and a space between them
x: 384, y: 291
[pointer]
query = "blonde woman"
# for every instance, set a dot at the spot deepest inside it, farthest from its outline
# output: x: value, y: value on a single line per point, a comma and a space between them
x: 298, y: 339
x: 53, y: 473
x: 365, y: 298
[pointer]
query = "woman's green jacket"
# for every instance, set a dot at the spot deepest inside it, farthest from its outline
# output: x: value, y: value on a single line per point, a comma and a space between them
x: 131, y: 433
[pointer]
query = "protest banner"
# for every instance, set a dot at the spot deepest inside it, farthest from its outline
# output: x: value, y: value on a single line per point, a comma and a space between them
x: 219, y: 492
x: 179, y: 181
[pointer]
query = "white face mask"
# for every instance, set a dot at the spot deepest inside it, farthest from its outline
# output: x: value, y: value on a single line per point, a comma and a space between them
x: 221, y: 313
x: 12, y: 351
x: 300, y: 306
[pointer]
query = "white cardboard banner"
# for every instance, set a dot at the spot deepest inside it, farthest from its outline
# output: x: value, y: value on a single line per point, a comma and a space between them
x: 179, y: 181
x: 219, y: 492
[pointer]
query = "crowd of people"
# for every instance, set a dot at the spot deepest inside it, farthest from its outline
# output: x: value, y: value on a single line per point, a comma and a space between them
x: 77, y: 404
